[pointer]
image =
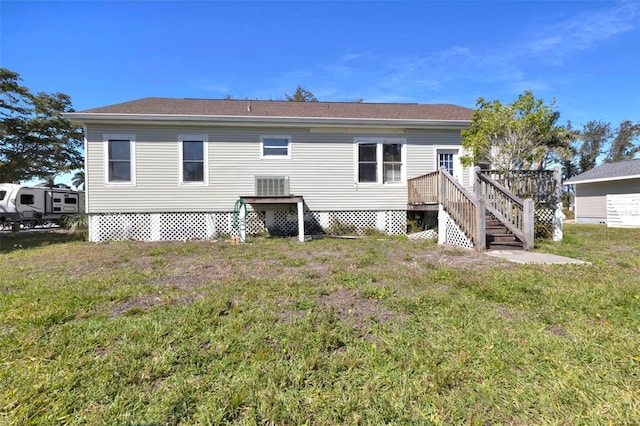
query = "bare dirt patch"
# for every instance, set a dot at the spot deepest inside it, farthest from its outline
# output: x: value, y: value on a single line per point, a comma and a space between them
x: 353, y: 309
x: 458, y: 258
x: 143, y: 302
x: 148, y: 301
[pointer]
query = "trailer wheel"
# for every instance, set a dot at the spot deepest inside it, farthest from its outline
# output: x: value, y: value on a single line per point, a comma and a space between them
x: 30, y: 224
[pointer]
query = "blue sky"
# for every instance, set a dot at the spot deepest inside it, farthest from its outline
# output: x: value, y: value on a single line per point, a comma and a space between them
x: 583, y: 54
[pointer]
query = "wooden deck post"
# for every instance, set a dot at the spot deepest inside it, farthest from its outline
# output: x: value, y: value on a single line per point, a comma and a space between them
x: 440, y: 186
x: 481, y: 225
x: 558, y: 214
x: 528, y: 224
x: 300, y: 220
x: 477, y: 185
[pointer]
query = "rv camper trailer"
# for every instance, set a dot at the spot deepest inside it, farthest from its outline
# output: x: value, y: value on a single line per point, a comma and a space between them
x: 38, y: 205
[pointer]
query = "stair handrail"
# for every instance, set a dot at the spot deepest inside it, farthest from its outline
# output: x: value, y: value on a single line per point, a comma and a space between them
x: 462, y: 207
x: 513, y: 212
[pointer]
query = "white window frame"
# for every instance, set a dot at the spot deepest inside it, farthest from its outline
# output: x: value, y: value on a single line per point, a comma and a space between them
x: 205, y: 157
x: 379, y: 160
x: 276, y: 157
x: 132, y: 157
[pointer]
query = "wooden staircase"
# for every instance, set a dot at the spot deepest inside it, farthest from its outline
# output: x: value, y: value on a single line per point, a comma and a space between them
x: 494, y: 217
x: 498, y: 237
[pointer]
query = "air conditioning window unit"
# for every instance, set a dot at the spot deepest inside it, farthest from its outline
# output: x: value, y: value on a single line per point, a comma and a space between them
x: 272, y: 186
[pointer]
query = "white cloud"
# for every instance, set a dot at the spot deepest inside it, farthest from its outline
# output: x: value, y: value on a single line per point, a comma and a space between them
x: 216, y: 88
x: 517, y: 63
x: 455, y: 73
x: 348, y: 57
x: 582, y: 31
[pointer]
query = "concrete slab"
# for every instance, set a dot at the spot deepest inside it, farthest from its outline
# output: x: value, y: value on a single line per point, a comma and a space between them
x: 523, y: 256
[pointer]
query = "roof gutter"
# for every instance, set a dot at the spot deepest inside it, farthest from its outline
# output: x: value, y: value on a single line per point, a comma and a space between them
x: 578, y: 182
x: 262, y: 121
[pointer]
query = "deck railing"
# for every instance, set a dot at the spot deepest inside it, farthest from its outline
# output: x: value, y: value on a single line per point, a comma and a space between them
x: 544, y: 186
x: 423, y: 189
x: 513, y: 212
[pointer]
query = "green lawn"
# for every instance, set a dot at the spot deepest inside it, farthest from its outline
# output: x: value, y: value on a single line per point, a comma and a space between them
x: 369, y: 331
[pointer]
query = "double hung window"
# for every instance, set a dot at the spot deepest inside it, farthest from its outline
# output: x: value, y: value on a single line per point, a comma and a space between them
x: 380, y: 160
x: 193, y: 159
x: 120, y: 159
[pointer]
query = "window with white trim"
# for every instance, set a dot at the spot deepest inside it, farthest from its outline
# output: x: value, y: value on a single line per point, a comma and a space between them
x: 120, y: 159
x: 380, y: 160
x: 193, y: 159
x: 275, y: 146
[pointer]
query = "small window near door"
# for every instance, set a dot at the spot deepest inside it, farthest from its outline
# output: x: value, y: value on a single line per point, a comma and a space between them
x: 445, y: 159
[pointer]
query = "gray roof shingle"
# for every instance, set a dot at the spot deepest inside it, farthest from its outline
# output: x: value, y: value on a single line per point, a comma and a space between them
x: 608, y: 171
x: 239, y: 108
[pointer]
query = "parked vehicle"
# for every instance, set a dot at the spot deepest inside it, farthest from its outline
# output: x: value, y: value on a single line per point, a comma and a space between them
x: 29, y: 206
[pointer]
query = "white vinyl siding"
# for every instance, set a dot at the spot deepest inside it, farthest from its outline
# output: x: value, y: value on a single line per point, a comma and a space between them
x: 119, y: 159
x: 591, y: 198
x: 321, y: 170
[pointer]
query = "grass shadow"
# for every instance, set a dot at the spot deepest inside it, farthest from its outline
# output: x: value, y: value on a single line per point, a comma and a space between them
x: 25, y: 240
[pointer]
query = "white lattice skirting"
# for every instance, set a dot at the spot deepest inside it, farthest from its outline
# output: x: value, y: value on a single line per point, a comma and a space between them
x: 450, y: 231
x: 205, y: 226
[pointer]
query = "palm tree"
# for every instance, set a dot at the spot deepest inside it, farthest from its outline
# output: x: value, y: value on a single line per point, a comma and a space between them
x: 78, y: 180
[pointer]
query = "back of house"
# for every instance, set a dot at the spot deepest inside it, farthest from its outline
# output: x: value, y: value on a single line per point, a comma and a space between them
x: 159, y: 168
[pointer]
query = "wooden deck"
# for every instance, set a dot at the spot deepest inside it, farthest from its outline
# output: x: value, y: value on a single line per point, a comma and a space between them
x: 494, y: 197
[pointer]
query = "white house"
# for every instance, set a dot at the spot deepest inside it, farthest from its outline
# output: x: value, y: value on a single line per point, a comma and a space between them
x: 159, y: 168
x: 609, y: 194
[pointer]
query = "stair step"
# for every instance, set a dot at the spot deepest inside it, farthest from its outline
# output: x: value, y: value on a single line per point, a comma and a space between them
x: 496, y: 230
x: 501, y: 238
x: 514, y: 245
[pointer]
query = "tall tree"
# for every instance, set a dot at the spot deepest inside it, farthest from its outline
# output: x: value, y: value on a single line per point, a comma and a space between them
x: 301, y: 95
x: 595, y: 135
x: 626, y: 143
x: 522, y: 134
x: 36, y: 141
